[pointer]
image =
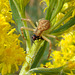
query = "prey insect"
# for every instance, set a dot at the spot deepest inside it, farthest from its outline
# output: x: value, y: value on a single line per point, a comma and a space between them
x: 39, y: 31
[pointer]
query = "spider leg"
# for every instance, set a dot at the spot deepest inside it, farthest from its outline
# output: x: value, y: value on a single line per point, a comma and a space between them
x: 51, y: 36
x: 50, y: 45
x: 29, y: 21
x: 25, y: 29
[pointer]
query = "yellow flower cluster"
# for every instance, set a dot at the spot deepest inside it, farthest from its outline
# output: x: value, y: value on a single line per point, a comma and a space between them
x: 66, y: 54
x: 11, y: 54
x: 72, y: 4
x: 33, y: 74
x: 67, y: 7
x: 4, y: 9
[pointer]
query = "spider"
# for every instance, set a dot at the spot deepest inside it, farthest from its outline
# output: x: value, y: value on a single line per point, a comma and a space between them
x: 39, y: 31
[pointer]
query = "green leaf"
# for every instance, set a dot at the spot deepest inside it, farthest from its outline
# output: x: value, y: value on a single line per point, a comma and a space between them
x: 57, y: 8
x: 50, y: 8
x: 54, y: 8
x: 21, y: 4
x: 46, y: 71
x: 16, y: 15
x: 67, y: 15
x: 67, y: 25
x: 39, y: 55
x: 18, y: 10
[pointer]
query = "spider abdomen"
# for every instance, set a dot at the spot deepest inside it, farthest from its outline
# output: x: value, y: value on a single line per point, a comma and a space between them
x: 43, y: 25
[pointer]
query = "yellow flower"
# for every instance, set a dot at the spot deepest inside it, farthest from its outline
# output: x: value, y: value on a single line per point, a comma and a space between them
x: 34, y: 74
x: 5, y: 10
x: 70, y: 4
x: 11, y: 54
x: 59, y: 16
x: 66, y: 54
x: 66, y: 7
x: 71, y: 65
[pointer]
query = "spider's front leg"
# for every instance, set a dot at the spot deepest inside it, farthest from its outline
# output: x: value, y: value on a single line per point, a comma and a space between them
x: 29, y: 22
x: 50, y: 45
x: 25, y: 29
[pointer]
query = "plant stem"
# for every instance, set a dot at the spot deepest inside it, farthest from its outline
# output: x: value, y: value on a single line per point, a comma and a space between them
x: 31, y: 56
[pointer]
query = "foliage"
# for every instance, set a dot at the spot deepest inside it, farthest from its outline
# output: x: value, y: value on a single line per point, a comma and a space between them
x: 61, y: 14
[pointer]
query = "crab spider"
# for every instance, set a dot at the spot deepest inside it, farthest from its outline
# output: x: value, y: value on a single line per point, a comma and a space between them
x: 39, y: 31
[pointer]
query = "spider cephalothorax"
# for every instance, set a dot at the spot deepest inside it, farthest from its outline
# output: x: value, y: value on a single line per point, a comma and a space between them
x: 39, y: 31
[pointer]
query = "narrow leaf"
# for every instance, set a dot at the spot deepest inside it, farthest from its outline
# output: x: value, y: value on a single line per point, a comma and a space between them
x: 46, y: 71
x: 50, y: 8
x: 67, y: 15
x: 57, y: 8
x: 16, y: 14
x: 21, y: 4
x: 67, y: 25
x: 39, y: 55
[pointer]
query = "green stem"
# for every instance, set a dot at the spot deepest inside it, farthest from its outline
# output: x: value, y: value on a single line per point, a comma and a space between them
x: 31, y: 56
x: 28, y: 41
